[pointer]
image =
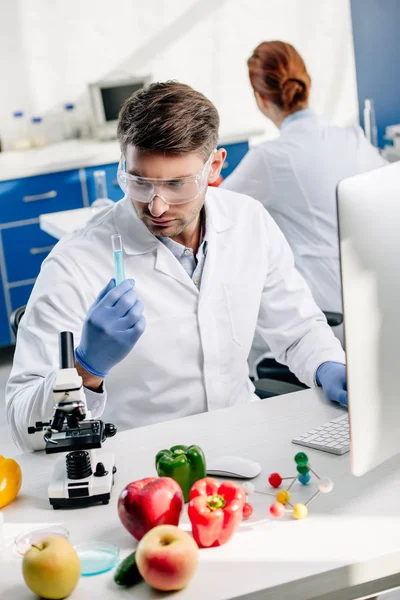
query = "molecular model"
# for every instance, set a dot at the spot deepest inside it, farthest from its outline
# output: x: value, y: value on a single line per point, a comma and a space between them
x: 299, y: 511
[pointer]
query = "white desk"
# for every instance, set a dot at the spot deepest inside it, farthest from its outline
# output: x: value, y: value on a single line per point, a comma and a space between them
x: 288, y: 559
x: 60, y: 223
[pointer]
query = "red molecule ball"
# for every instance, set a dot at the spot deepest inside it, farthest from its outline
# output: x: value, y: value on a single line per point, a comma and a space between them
x: 247, y: 510
x: 277, y: 510
x: 275, y: 480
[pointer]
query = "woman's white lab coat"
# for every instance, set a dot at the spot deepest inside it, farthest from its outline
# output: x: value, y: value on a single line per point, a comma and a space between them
x: 193, y: 354
x: 295, y: 178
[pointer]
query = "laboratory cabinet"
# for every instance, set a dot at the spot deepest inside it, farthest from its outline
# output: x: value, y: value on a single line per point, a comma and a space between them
x: 26, y: 198
x: 24, y: 246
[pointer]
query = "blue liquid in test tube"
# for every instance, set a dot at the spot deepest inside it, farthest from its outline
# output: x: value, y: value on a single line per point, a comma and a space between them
x: 118, y: 258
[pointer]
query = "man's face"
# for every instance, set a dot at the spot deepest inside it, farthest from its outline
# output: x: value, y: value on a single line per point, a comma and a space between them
x: 163, y: 219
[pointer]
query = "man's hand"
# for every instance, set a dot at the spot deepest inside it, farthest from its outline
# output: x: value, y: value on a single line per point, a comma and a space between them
x: 90, y: 382
x: 112, y: 327
x: 331, y: 376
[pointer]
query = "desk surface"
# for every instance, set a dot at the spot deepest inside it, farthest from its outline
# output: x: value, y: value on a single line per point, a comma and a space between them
x: 60, y: 223
x: 359, y: 521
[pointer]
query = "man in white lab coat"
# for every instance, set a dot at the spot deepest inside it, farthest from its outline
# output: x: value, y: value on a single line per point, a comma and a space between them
x: 204, y: 268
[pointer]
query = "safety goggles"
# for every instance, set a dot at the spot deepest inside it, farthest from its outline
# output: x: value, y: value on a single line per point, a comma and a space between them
x: 173, y: 191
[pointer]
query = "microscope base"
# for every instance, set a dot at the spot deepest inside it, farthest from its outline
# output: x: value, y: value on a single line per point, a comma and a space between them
x: 94, y: 489
x: 58, y: 503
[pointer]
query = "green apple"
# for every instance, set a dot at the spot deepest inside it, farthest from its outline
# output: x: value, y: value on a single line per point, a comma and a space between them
x: 51, y: 568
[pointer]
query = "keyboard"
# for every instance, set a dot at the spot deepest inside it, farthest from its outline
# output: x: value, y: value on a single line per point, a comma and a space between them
x: 333, y: 436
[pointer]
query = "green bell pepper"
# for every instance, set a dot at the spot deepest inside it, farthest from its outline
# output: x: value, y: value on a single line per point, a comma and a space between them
x: 184, y: 464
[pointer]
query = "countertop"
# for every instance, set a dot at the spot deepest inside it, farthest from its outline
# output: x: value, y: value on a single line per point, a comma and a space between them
x: 60, y: 223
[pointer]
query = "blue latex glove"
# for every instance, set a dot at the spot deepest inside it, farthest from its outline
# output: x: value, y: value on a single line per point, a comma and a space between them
x: 112, y: 327
x: 331, y: 376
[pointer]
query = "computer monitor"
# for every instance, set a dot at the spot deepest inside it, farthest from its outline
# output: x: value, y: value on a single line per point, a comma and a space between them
x: 107, y: 98
x: 369, y: 234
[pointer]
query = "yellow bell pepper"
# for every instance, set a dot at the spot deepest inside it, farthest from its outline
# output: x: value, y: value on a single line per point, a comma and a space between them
x: 10, y: 480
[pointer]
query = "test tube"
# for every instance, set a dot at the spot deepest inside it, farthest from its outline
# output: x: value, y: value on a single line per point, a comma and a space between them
x: 118, y: 258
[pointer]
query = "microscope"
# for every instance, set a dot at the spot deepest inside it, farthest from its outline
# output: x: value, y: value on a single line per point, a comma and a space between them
x: 85, y: 476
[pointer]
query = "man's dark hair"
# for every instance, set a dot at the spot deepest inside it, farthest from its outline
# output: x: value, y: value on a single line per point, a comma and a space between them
x: 169, y: 117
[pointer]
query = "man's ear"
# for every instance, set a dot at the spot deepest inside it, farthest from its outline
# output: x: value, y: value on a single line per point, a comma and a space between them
x: 216, y: 165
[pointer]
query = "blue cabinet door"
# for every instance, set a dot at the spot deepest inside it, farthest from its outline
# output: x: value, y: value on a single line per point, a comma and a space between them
x: 30, y: 197
x: 235, y: 153
x: 20, y: 295
x: 114, y: 191
x: 25, y: 248
x: 5, y: 332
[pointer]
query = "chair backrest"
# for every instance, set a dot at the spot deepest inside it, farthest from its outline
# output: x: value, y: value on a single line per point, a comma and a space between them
x: 15, y: 319
x: 334, y: 319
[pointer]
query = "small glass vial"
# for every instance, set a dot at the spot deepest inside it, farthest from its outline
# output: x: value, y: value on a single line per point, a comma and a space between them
x: 38, y: 133
x: 19, y: 135
x: 70, y: 124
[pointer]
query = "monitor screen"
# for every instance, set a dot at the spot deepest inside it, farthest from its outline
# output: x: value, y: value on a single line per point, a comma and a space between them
x: 114, y: 97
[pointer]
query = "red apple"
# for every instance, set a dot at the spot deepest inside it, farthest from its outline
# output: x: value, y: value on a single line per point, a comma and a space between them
x: 167, y: 558
x: 150, y: 502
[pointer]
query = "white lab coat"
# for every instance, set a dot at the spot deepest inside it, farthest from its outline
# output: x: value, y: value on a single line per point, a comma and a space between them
x: 295, y: 178
x: 193, y: 354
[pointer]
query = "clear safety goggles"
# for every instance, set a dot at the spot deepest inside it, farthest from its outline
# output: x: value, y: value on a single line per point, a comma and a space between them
x: 173, y: 191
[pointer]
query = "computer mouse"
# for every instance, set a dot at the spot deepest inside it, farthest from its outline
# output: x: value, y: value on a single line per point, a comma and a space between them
x: 233, y: 466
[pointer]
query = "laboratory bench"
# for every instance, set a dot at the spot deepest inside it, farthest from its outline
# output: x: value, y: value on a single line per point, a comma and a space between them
x: 347, y: 547
x: 56, y: 179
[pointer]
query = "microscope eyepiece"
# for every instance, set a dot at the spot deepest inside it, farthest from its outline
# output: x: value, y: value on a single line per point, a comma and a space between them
x: 67, y: 353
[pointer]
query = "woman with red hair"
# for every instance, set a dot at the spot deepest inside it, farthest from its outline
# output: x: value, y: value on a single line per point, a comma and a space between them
x: 295, y: 176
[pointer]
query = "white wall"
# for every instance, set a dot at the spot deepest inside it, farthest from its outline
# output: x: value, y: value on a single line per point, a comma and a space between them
x: 15, y: 92
x: 56, y: 47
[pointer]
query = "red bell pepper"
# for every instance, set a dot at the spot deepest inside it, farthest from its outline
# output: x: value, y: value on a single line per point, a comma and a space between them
x: 215, y: 511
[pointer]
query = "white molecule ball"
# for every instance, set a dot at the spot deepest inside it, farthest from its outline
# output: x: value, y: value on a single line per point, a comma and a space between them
x: 325, y: 485
x: 248, y: 488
